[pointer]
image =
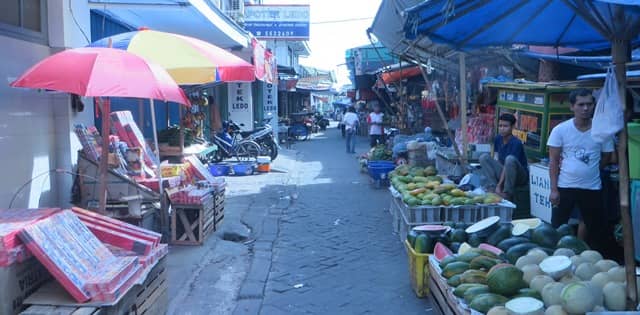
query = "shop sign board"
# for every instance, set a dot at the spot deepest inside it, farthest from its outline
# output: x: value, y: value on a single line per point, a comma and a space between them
x: 240, y: 104
x: 270, y: 104
x: 539, y: 190
x: 288, y: 22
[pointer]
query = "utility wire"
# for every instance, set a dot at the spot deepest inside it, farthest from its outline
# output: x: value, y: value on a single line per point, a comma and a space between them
x: 342, y: 21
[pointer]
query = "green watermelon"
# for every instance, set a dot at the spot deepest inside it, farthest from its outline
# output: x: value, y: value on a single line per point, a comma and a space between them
x: 518, y: 251
x: 503, y: 232
x: 565, y: 230
x: 506, y: 281
x: 411, y: 238
x: 504, y: 245
x: 573, y: 243
x: 424, y: 244
x: 458, y: 236
x: 474, y: 240
x: 545, y: 235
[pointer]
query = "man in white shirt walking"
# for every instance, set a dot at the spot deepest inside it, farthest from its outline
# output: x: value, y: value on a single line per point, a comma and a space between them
x: 350, y: 122
x: 575, y: 160
x: 375, y: 126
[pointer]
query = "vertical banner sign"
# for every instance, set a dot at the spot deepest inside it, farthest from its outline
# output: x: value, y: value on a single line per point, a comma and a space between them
x: 539, y: 190
x: 240, y: 104
x: 270, y: 106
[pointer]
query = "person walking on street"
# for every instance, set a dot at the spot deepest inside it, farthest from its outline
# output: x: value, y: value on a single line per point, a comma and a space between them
x: 350, y: 122
x: 510, y: 168
x: 575, y: 160
x: 375, y: 126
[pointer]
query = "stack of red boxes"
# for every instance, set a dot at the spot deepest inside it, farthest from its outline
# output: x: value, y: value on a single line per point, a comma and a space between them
x: 12, y: 250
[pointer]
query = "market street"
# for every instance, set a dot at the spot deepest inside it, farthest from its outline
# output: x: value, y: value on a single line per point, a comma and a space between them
x: 320, y: 243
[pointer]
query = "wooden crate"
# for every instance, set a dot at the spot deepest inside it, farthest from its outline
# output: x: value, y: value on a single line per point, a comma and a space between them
x: 191, y: 224
x: 442, y: 297
x: 219, y: 209
x: 153, y: 295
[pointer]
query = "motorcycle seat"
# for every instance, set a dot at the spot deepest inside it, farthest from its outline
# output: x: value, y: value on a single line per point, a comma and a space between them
x: 245, y: 134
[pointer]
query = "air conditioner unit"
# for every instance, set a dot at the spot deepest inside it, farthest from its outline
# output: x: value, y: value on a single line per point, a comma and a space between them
x: 235, y: 10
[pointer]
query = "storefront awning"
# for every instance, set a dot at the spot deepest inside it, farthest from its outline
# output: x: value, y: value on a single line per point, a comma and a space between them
x: 195, y: 18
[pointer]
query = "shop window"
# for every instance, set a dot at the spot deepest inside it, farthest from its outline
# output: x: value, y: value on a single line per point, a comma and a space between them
x: 24, y: 19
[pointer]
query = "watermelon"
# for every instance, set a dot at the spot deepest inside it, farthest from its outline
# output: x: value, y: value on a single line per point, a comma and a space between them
x: 510, y: 242
x: 458, y: 235
x: 565, y: 230
x: 454, y: 246
x: 475, y: 240
x: 424, y: 244
x: 545, y: 236
x: 518, y: 251
x: 484, y: 227
x: 440, y: 251
x: 506, y: 281
x: 411, y: 237
x: 573, y: 243
x: 503, y: 232
x: 525, y: 306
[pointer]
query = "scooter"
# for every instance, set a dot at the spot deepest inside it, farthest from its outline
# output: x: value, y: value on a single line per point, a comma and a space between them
x: 321, y: 122
x: 264, y: 137
x: 230, y: 145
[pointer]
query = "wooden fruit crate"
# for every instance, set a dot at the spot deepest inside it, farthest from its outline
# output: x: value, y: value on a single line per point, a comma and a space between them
x: 442, y: 298
x: 153, y: 297
x: 219, y: 209
x: 191, y: 224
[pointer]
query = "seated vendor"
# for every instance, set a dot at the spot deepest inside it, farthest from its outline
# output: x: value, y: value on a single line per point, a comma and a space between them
x: 508, y: 169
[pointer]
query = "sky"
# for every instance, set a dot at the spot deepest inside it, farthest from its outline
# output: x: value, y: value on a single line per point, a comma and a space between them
x: 328, y: 41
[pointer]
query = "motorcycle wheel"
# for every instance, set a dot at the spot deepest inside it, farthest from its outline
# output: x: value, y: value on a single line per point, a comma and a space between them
x: 247, y: 151
x: 272, y: 150
x: 217, y: 157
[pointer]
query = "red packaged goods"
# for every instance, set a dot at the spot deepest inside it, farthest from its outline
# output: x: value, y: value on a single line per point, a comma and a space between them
x: 133, y: 277
x: 199, y: 170
x: 111, y: 275
x: 17, y: 254
x: 123, y: 226
x: 13, y: 220
x: 122, y: 240
x: 73, y: 255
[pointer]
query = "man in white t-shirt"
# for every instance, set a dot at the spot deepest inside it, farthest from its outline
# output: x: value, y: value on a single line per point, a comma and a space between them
x: 350, y: 122
x: 575, y: 160
x: 375, y: 126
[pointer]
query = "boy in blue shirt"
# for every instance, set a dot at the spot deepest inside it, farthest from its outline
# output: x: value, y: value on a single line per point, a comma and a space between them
x: 511, y: 168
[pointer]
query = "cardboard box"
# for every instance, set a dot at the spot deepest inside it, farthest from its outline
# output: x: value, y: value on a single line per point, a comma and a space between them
x: 17, y: 282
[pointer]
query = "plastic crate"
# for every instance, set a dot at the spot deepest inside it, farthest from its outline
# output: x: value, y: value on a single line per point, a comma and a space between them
x: 220, y: 169
x: 418, y: 271
x: 378, y: 170
x: 633, y: 143
x: 635, y: 215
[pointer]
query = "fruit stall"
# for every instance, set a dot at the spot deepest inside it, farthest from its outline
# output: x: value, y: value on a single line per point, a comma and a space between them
x: 519, y: 267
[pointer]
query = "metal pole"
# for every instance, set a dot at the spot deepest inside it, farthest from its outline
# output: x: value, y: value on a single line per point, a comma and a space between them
x: 104, y: 156
x: 463, y: 104
x: 621, y: 55
x: 444, y: 120
x: 164, y: 218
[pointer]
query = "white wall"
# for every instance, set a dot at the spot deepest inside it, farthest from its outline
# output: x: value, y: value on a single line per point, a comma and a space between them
x: 36, y: 128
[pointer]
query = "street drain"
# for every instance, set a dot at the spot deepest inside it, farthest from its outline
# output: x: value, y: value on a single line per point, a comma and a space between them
x: 234, y: 237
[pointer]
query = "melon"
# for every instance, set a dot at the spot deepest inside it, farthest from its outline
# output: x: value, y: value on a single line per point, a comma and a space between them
x: 563, y: 252
x: 555, y: 310
x: 491, y: 249
x: 597, y: 292
x: 551, y: 293
x: 525, y: 306
x: 440, y: 251
x: 538, y: 253
x: 530, y: 271
x: 569, y: 278
x: 556, y: 266
x: 614, y: 296
x: 617, y: 274
x: 577, y: 298
x: 538, y: 282
x: 591, y: 256
x: 600, y: 279
x: 527, y: 260
x: 464, y: 247
x: 521, y: 229
x: 498, y: 310
x: 605, y: 264
x: 585, y: 271
x: 573, y: 243
x: 577, y: 260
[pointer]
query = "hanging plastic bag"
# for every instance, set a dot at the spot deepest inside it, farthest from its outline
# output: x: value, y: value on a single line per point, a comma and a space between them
x: 608, y: 117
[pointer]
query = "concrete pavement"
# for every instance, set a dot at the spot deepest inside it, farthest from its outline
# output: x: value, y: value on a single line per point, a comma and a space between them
x: 313, y: 238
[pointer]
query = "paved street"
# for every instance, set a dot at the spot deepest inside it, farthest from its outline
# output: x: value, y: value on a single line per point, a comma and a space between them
x: 311, y: 238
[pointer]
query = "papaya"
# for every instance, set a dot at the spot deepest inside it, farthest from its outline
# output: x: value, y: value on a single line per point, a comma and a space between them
x: 471, y: 293
x: 454, y: 281
x: 468, y: 256
x: 447, y: 260
x: 484, y: 302
x: 417, y: 191
x: 462, y: 288
x: 473, y: 276
x: 454, y: 268
x: 506, y: 281
x: 483, y: 262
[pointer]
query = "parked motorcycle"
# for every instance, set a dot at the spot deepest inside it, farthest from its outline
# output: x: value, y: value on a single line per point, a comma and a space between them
x: 321, y: 122
x: 230, y: 145
x: 264, y: 136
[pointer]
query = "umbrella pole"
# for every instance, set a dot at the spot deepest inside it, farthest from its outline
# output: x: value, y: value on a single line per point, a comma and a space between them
x: 104, y: 156
x: 444, y: 120
x: 463, y: 104
x: 621, y: 55
x: 164, y: 221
